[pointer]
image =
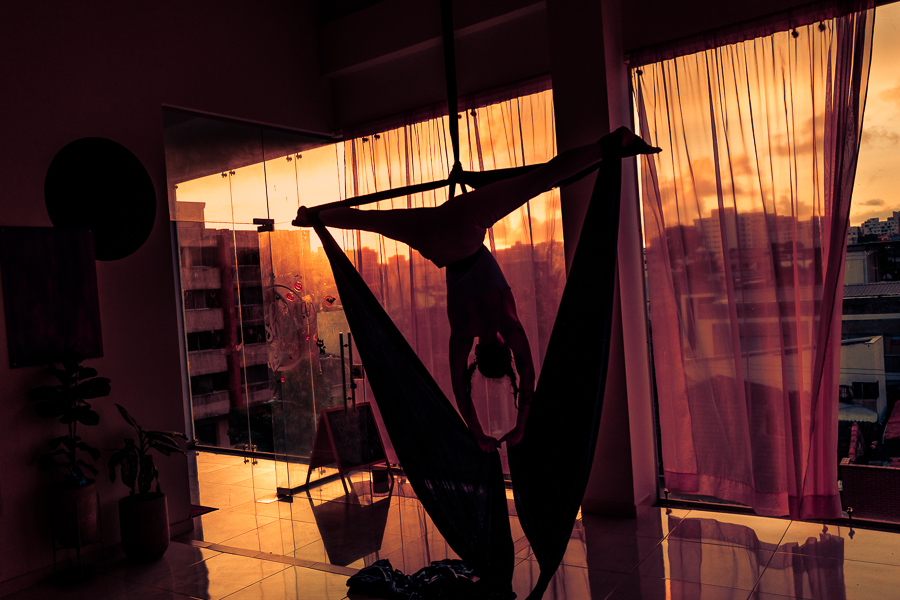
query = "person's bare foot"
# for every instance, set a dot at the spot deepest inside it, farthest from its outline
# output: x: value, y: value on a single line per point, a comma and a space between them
x: 623, y: 142
x: 304, y: 218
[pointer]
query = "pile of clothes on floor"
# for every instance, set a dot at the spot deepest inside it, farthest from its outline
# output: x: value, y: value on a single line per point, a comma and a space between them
x: 443, y: 580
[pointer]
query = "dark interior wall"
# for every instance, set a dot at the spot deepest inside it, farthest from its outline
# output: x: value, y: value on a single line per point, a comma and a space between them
x: 647, y: 23
x: 387, y: 58
x: 104, y: 68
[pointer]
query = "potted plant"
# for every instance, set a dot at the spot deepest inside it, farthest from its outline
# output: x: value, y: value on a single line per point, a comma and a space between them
x: 74, y: 514
x: 143, y: 514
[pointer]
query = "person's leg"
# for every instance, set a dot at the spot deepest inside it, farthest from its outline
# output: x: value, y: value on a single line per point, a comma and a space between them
x: 403, y: 225
x: 442, y: 234
x: 487, y: 205
x: 456, y: 229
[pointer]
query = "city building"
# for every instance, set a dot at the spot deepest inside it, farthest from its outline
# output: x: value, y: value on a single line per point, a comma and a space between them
x: 881, y: 228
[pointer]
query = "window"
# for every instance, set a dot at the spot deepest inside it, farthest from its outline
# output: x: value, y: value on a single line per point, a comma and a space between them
x: 870, y: 326
x: 205, y: 340
x: 245, y: 288
x: 865, y: 390
x: 209, y: 384
x: 199, y: 299
x: 744, y: 245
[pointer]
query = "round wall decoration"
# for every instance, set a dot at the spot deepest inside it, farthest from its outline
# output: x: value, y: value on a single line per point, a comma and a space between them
x: 95, y: 183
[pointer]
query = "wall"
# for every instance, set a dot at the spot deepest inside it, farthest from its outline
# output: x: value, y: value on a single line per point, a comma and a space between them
x: 870, y: 491
x: 652, y: 22
x: 388, y: 58
x: 105, y: 68
x: 862, y: 360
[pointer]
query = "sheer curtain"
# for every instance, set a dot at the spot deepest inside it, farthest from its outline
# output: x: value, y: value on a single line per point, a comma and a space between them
x: 746, y: 215
x: 528, y: 244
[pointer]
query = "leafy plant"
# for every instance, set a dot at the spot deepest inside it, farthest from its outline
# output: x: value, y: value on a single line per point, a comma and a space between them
x: 134, y: 459
x: 68, y: 402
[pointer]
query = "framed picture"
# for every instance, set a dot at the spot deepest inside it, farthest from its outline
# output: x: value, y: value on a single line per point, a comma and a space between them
x: 50, y: 294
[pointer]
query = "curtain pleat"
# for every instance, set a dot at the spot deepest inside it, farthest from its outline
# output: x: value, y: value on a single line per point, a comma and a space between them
x: 527, y: 244
x: 746, y: 216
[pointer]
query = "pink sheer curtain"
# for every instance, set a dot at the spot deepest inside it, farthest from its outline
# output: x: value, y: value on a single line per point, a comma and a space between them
x: 746, y: 215
x: 528, y: 243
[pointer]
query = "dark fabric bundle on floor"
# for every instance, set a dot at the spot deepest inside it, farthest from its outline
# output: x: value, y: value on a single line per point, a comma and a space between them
x: 443, y: 580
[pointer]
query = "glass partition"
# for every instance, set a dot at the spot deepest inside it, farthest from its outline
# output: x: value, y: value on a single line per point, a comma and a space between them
x: 244, y: 317
x: 267, y: 343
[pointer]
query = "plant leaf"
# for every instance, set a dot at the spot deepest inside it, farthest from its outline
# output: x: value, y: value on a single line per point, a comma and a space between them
x: 49, y: 409
x: 57, y: 452
x: 46, y: 461
x: 128, y: 463
x: 156, y: 441
x: 95, y: 454
x: 85, y: 416
x: 88, y: 466
x: 45, y: 393
x: 128, y: 418
x: 61, y: 440
x: 147, y: 473
x: 60, y: 374
x: 114, y: 460
x: 86, y: 372
x: 93, y: 388
x: 165, y: 434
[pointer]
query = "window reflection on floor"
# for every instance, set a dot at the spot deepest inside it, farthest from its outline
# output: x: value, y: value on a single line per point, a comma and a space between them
x: 253, y: 546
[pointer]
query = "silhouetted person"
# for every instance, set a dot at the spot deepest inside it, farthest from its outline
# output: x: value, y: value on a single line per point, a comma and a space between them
x: 479, y: 301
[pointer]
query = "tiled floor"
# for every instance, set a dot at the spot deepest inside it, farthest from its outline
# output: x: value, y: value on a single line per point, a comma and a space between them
x: 254, y: 547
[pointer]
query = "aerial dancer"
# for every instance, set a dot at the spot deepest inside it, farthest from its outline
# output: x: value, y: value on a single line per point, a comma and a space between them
x: 480, y: 304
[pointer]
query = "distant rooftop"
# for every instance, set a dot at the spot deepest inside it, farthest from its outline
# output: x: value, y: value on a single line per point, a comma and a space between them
x: 856, y: 413
x: 861, y: 340
x: 865, y: 290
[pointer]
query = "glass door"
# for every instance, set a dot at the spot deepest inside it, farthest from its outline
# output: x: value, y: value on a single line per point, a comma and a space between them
x: 304, y: 320
x: 245, y: 313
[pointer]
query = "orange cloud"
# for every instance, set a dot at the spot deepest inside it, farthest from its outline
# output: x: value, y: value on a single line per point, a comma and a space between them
x: 880, y: 137
x: 892, y: 95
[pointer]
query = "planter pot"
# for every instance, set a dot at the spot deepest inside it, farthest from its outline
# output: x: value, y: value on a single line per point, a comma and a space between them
x: 144, y: 525
x: 75, y: 515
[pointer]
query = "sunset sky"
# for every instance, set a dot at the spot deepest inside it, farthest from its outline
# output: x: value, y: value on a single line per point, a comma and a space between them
x: 276, y: 189
x: 877, y: 189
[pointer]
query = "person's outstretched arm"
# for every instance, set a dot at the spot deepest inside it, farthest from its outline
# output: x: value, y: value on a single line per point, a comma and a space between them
x: 521, y: 349
x: 460, y: 345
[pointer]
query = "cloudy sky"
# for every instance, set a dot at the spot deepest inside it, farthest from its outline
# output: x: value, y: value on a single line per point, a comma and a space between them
x: 318, y: 178
x: 877, y: 189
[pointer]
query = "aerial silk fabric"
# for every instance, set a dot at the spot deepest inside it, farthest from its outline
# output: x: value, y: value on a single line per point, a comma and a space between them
x: 496, y: 139
x: 462, y: 487
x: 551, y: 466
x: 746, y: 217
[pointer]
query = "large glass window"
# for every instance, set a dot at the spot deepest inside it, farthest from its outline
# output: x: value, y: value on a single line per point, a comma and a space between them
x: 264, y: 324
x: 745, y: 224
x: 869, y: 424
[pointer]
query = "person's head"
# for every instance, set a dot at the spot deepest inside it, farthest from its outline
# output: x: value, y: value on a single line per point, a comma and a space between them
x: 493, y: 359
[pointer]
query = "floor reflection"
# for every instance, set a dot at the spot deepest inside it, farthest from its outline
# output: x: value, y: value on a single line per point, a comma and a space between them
x: 255, y: 546
x: 352, y: 526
